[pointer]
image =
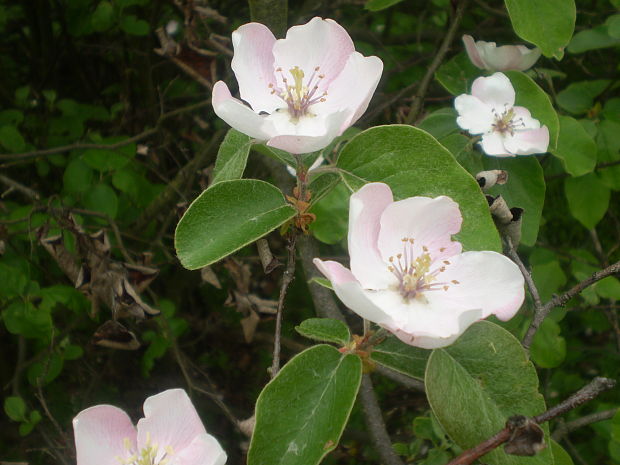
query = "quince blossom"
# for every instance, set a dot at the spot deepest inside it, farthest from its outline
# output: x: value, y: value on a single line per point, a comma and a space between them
x: 506, y: 130
x: 487, y: 55
x: 409, y: 277
x: 302, y: 91
x: 170, y: 433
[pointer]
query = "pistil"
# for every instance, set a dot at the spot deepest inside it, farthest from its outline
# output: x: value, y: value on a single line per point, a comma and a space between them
x: 299, y: 97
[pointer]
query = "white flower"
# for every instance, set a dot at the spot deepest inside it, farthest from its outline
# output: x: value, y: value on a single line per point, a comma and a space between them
x: 302, y: 91
x: 487, y: 55
x: 409, y: 277
x: 506, y: 130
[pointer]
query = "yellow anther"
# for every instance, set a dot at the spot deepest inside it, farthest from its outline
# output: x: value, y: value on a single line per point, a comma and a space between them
x: 454, y: 281
x: 445, y: 288
x: 443, y: 249
x: 424, y: 248
x: 446, y: 262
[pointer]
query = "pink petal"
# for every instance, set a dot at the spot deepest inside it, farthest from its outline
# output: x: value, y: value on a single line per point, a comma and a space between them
x: 528, y: 57
x: 472, y: 51
x: 100, y: 434
x: 353, y: 88
x: 475, y: 116
x: 495, y: 90
x: 493, y: 144
x: 350, y: 292
x: 365, y: 209
x: 319, y: 42
x: 203, y: 450
x: 238, y: 115
x: 524, y: 119
x: 501, y: 58
x: 170, y: 419
x: 309, y: 134
x: 253, y: 66
x: 430, y: 222
x: 528, y: 142
x: 486, y: 280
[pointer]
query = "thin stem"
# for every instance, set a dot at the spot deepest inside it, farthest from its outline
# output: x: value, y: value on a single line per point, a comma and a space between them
x: 570, y: 426
x: 418, y: 98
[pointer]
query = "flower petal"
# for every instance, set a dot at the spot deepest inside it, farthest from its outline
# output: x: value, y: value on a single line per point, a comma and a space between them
x: 319, y: 42
x: 472, y: 52
x: 495, y: 90
x: 238, y: 115
x: 529, y: 56
x: 100, y: 434
x: 308, y: 135
x: 353, y: 88
x: 365, y: 209
x: 475, y: 116
x: 524, y: 118
x: 493, y: 144
x: 170, y: 419
x: 253, y: 66
x: 350, y: 292
x: 485, y: 280
x: 203, y: 450
x: 528, y: 142
x: 430, y: 222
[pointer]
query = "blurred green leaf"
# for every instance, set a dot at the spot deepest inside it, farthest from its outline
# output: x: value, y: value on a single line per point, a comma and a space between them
x: 579, y: 97
x: 103, y: 17
x: 102, y: 198
x: 15, y: 408
x: 134, y: 26
x: 548, y: 348
x: 576, y: 148
x: 592, y: 39
x: 378, y: 5
x: 11, y: 139
x: 78, y: 176
x: 332, y: 215
x: 457, y: 74
x: 588, y: 199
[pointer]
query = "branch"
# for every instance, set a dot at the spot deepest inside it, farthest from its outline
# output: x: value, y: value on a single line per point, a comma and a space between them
x: 374, y: 421
x: 570, y: 426
x: 407, y: 381
x: 585, y: 394
x: 117, y: 145
x: 561, y: 300
x: 31, y: 194
x: 418, y: 98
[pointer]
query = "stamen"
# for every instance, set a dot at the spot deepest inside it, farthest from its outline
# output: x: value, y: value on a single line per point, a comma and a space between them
x: 300, y: 96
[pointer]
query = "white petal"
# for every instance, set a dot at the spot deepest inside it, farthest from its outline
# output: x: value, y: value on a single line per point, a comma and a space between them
x: 493, y: 144
x: 528, y: 57
x: 430, y: 222
x: 365, y: 209
x: 308, y: 135
x: 528, y: 142
x: 238, y: 115
x: 495, y: 90
x: 353, y: 88
x: 253, y: 66
x: 319, y: 42
x: 100, y: 434
x: 350, y: 292
x: 472, y: 51
x: 523, y: 119
x: 170, y: 419
x: 475, y: 116
x: 203, y: 450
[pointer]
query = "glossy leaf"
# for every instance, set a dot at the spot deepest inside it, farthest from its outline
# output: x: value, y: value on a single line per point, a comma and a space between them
x: 227, y: 216
x: 413, y: 163
x: 476, y: 384
x: 232, y: 156
x: 576, y: 148
x: 548, y: 25
x: 301, y: 413
x: 324, y: 330
x: 406, y: 359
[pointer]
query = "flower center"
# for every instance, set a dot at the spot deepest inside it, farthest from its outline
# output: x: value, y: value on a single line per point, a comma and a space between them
x: 299, y: 96
x: 505, y: 123
x: 148, y: 455
x: 414, y: 273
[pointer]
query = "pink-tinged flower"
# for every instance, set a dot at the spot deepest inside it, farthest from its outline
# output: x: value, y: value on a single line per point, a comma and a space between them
x: 303, y: 90
x: 170, y: 433
x: 506, y: 130
x: 409, y: 277
x: 487, y: 55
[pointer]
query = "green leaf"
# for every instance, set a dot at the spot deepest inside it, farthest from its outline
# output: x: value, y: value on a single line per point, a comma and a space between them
x: 325, y: 330
x: 457, y: 74
x: 276, y: 154
x: 576, y: 148
x: 608, y: 288
x: 548, y: 348
x: 440, y: 123
x: 78, y: 177
x: 592, y: 39
x: 232, y: 156
x: 378, y: 5
x: 613, y: 26
x: 107, y: 160
x: 608, y: 144
x: 525, y: 189
x: 413, y: 163
x: 103, y: 17
x: 317, y: 388
x: 588, y: 199
x: 227, y: 216
x: 548, y: 24
x: 134, y: 26
x: 45, y: 371
x: 11, y: 139
x: 579, y: 97
x: 532, y: 97
x: 13, y: 281
x: 560, y: 456
x: 102, y: 198
x: 401, y: 357
x: 15, y: 408
x: 332, y: 215
x: 72, y: 352
x: 547, y: 273
x: 476, y: 384
x: 322, y: 282
x: 21, y: 317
